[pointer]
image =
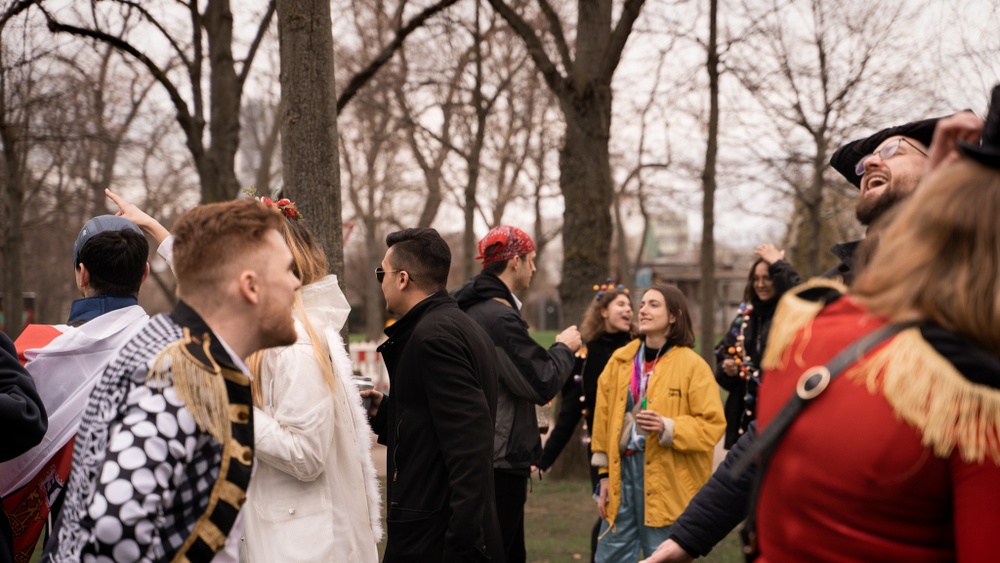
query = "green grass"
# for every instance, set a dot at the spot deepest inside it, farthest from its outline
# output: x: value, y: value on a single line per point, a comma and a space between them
x: 558, y: 518
x: 557, y: 521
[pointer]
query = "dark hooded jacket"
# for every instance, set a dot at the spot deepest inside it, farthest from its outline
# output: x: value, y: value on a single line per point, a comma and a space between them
x: 529, y: 374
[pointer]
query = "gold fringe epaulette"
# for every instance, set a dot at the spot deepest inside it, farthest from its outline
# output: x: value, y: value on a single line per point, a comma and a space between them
x: 201, y: 385
x: 792, y: 314
x: 926, y: 391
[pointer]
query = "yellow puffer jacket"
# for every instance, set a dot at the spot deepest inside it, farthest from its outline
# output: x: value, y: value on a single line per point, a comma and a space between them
x: 683, y: 391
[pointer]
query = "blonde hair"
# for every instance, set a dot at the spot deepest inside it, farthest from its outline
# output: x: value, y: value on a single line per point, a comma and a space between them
x: 940, y: 255
x: 309, y: 264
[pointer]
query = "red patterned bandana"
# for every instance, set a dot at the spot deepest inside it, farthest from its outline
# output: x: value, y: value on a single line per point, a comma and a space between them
x: 503, y: 243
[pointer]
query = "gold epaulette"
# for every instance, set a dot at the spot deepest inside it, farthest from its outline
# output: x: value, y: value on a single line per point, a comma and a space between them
x: 793, y: 313
x: 926, y: 391
x: 198, y: 380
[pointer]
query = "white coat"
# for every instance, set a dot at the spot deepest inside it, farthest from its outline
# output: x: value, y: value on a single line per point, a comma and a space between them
x: 314, y: 496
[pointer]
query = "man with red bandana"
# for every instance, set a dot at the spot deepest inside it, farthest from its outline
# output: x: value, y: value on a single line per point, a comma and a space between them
x: 529, y: 374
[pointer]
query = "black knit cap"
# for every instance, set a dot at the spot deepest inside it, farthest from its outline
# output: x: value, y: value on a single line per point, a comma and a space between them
x: 988, y: 151
x: 846, y: 158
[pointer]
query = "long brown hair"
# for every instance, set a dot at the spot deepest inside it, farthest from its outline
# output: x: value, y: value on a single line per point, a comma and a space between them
x: 592, y: 325
x: 309, y: 264
x: 681, y: 332
x: 940, y: 255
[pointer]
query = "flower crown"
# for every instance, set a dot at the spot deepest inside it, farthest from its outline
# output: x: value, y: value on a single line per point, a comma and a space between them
x: 284, y: 205
x: 608, y: 286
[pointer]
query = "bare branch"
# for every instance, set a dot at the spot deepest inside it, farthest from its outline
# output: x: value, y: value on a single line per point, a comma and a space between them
x: 364, y: 75
x: 558, y: 37
x: 264, y: 25
x: 555, y: 80
x: 183, y: 114
x: 613, y: 54
x: 155, y: 23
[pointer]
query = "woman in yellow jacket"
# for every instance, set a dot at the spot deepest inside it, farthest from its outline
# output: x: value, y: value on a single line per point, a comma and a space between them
x: 657, y: 420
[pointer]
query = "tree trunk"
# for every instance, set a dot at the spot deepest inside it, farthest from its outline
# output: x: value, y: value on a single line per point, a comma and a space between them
x: 708, y: 203
x: 585, y: 181
x: 13, y: 211
x: 309, y: 151
x: 225, y: 92
x: 374, y: 304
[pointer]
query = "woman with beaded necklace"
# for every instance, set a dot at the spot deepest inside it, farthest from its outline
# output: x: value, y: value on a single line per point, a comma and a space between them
x: 657, y: 420
x: 738, y: 353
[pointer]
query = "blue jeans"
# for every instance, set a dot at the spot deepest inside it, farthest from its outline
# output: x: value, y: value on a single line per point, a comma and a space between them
x: 622, y: 544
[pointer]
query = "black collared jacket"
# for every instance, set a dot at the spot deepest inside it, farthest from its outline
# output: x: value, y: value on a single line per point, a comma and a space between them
x: 437, y: 423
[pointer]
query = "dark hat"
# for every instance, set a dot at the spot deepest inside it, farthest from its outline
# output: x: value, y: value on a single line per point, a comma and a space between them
x: 100, y: 224
x: 847, y: 156
x: 988, y: 151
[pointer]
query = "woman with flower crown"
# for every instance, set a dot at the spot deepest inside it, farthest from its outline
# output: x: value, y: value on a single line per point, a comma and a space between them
x: 606, y: 326
x: 738, y: 354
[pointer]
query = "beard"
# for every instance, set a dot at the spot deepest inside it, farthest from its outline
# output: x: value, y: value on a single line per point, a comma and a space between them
x: 870, y: 210
x: 278, y: 329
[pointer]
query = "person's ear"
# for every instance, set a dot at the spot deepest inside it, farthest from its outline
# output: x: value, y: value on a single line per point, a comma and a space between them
x: 82, y: 276
x: 249, y: 286
x: 145, y: 275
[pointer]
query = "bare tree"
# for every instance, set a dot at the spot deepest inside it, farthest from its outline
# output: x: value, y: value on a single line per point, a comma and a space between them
x: 820, y: 70
x: 214, y: 160
x: 708, y: 296
x: 582, y: 84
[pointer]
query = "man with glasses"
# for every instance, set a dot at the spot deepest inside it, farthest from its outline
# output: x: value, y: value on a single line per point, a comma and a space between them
x: 437, y: 421
x: 529, y: 374
x: 886, y: 167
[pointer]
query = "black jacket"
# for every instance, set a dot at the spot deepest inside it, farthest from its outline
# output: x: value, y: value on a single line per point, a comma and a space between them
x: 578, y: 397
x: 847, y: 252
x: 741, y: 407
x: 437, y: 422
x: 528, y: 373
x: 23, y: 419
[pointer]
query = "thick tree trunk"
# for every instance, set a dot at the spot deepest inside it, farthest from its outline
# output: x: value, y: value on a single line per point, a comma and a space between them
x: 374, y: 301
x: 309, y: 151
x: 585, y: 181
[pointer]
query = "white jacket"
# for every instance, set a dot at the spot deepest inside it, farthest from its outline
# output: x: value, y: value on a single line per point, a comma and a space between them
x: 314, y: 496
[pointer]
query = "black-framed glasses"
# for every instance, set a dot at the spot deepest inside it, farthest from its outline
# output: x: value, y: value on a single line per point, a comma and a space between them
x: 380, y: 273
x: 886, y: 152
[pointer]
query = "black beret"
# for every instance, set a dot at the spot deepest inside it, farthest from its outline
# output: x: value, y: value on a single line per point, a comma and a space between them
x: 846, y: 158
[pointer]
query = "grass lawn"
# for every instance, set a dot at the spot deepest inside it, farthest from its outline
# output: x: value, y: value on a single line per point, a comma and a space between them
x: 558, y: 519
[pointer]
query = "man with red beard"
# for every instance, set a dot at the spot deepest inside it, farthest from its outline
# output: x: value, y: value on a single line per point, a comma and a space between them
x: 887, y: 167
x: 164, y: 452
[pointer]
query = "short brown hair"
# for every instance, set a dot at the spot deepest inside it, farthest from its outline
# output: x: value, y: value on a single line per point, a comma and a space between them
x: 681, y: 332
x: 940, y: 255
x: 208, y: 237
x: 592, y: 325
